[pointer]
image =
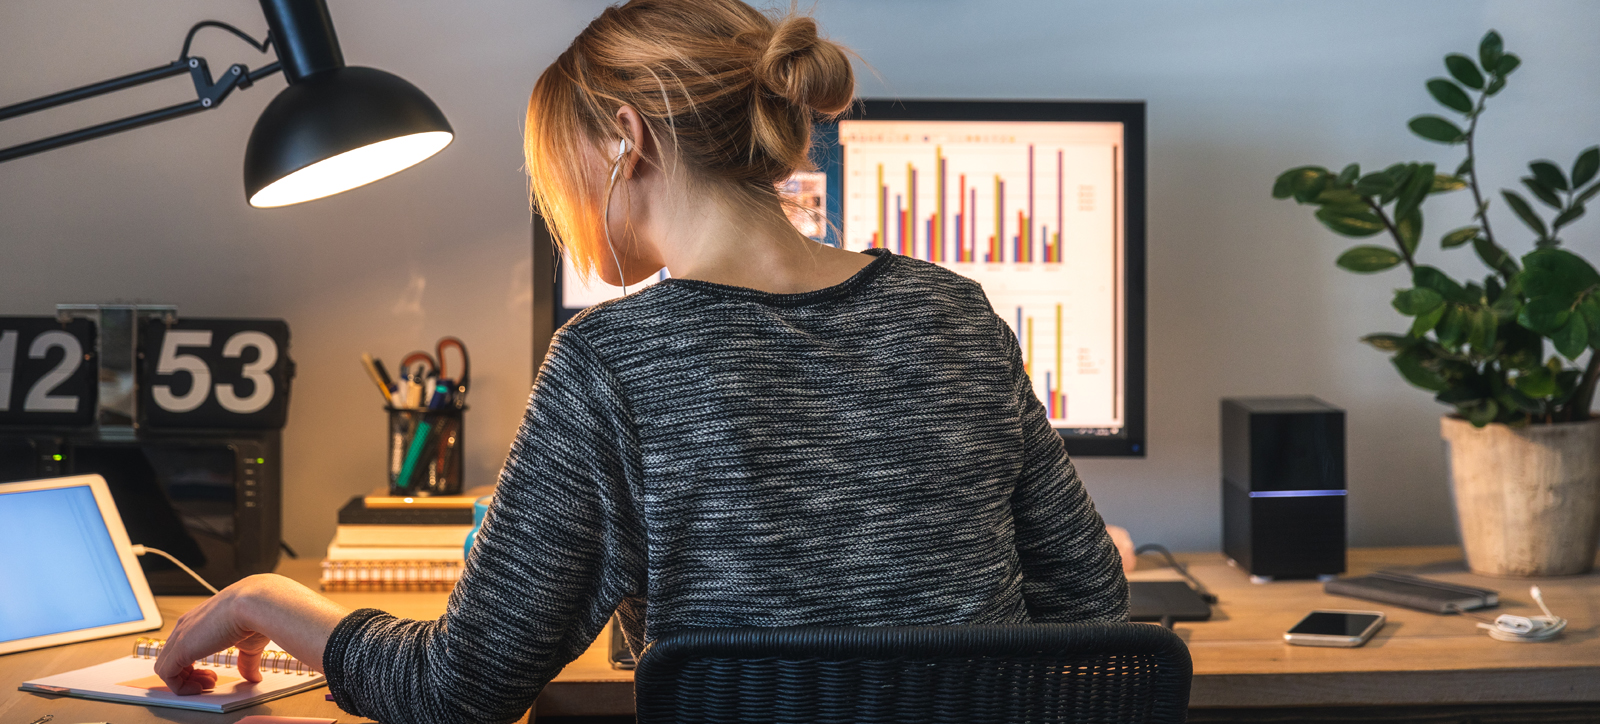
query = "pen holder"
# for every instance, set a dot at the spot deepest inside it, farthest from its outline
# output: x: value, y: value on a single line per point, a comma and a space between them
x: 425, y: 451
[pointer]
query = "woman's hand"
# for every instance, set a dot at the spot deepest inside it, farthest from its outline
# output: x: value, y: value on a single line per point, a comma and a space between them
x: 248, y: 615
x: 206, y: 629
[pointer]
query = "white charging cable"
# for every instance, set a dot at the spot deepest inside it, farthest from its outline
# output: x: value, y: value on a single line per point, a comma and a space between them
x: 1521, y: 629
x: 140, y: 550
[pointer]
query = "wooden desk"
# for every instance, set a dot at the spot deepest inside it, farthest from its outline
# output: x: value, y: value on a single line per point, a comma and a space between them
x: 589, y: 686
x: 1240, y: 659
x: 1418, y: 658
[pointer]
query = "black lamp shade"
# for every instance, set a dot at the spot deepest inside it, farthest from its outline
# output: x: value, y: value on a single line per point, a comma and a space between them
x: 336, y: 130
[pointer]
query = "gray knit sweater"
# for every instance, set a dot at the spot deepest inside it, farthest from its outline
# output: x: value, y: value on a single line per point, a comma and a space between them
x: 698, y: 455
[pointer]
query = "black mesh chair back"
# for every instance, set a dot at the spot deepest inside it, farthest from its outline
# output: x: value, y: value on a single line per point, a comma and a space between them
x: 1122, y: 673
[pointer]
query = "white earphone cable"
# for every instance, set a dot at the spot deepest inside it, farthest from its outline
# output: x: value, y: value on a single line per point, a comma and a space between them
x: 605, y: 214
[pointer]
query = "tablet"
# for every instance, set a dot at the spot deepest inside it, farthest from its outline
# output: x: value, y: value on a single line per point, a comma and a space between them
x: 67, y: 571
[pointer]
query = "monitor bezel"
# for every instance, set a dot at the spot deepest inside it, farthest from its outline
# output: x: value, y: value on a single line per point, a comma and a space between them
x: 1131, y: 114
x: 827, y: 155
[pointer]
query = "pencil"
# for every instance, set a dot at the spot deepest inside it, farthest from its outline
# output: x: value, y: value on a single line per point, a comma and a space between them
x: 377, y: 377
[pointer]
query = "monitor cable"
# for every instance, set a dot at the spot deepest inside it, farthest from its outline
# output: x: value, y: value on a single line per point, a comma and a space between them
x: 140, y: 550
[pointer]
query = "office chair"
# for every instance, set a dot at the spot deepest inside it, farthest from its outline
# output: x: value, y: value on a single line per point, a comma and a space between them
x: 1123, y: 672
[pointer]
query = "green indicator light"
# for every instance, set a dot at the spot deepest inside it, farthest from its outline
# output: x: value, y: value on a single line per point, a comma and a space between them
x: 56, y: 457
x: 261, y: 461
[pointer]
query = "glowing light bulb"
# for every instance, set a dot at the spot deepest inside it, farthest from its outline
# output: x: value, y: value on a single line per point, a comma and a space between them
x: 356, y: 167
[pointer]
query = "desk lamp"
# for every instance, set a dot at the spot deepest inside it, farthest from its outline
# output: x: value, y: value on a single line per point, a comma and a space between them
x: 334, y: 128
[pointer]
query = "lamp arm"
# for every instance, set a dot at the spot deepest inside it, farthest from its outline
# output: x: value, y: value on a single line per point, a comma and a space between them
x: 209, y: 94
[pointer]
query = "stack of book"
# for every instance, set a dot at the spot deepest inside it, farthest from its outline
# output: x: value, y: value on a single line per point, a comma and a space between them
x: 398, y: 544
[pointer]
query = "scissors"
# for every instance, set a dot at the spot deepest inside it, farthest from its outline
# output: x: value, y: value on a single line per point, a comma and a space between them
x: 435, y: 364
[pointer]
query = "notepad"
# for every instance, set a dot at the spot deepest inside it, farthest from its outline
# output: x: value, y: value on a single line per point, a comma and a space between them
x: 132, y: 680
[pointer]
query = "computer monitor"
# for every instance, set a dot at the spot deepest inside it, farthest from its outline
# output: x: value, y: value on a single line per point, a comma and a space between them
x: 1041, y: 202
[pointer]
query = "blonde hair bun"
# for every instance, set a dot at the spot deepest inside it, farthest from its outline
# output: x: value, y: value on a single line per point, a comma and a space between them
x: 805, y: 69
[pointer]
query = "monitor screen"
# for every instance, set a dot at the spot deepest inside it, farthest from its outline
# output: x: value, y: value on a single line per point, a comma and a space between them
x: 60, y: 569
x: 1040, y: 202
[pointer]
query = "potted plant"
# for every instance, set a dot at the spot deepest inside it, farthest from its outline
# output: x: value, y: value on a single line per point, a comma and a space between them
x: 1524, y: 451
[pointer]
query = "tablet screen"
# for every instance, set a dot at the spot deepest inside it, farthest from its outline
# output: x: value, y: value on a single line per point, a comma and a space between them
x: 60, y: 569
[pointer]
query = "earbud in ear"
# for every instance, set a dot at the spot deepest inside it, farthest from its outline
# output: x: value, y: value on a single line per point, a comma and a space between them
x: 616, y: 164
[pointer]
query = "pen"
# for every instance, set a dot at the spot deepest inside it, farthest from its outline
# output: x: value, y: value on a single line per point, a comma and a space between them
x: 414, y: 393
x: 377, y: 378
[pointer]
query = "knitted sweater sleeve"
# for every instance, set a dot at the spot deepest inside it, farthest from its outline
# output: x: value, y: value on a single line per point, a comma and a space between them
x: 1071, y: 571
x: 559, y: 549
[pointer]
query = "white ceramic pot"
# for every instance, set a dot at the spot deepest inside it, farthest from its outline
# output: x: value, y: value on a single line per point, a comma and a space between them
x: 1527, y: 499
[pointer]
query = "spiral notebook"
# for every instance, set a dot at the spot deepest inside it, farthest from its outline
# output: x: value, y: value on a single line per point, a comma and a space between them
x: 133, y: 680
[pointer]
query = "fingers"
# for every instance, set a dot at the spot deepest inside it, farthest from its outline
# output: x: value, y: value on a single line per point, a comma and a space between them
x: 250, y: 656
x: 250, y: 665
x: 189, y: 681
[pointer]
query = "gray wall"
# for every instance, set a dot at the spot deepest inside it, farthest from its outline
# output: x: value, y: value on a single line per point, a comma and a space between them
x: 1244, y: 298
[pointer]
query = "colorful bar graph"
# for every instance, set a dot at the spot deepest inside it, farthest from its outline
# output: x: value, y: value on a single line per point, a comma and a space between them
x: 943, y: 236
x: 1055, y: 399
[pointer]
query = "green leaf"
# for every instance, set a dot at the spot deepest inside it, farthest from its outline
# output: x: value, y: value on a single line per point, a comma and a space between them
x: 1374, y: 184
x: 1427, y: 277
x: 1465, y: 167
x: 1587, y: 194
x: 1484, y: 325
x: 1490, y: 50
x: 1495, y: 85
x: 1545, y: 315
x: 1508, y: 63
x: 1415, y: 191
x: 1540, y: 382
x: 1368, y: 259
x: 1482, y: 413
x: 1453, y: 327
x: 1525, y: 212
x: 1284, y: 187
x: 1389, y: 342
x: 1573, y: 337
x: 1421, y: 300
x: 1409, y: 227
x: 1567, y: 217
x: 1437, y: 129
x: 1557, y: 273
x: 1449, y: 95
x: 1443, y: 183
x: 1585, y: 167
x: 1399, y: 175
x: 1464, y: 70
x: 1356, y: 224
x: 1410, y: 367
x: 1460, y: 236
x: 1495, y: 257
x: 1590, y: 309
x: 1543, y: 192
x: 1349, y: 174
x: 1427, y: 321
x: 1549, y: 174
x: 1305, y: 185
x: 1341, y: 197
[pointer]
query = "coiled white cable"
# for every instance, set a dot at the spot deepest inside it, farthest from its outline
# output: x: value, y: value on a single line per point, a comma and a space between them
x: 1522, y: 629
x: 140, y: 550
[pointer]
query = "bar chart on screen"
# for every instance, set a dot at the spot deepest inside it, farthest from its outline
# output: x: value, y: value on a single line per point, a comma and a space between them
x: 1027, y: 209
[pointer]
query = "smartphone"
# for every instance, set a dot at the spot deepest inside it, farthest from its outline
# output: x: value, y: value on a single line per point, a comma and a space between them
x: 1335, y: 628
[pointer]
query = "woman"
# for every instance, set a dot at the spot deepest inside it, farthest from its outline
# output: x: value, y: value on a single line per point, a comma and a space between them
x: 781, y: 434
